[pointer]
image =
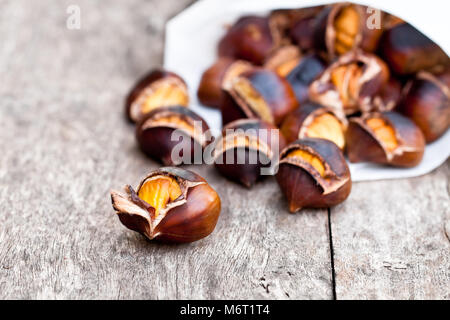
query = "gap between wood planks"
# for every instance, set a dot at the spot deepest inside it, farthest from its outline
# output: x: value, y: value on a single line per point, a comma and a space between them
x: 333, y: 273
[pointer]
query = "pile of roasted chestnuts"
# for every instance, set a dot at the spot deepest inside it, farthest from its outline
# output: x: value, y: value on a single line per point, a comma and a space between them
x: 334, y: 85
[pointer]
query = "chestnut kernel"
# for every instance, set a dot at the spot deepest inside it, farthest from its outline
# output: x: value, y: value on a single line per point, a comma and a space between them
x: 314, y: 121
x: 350, y: 84
x: 283, y: 60
x: 251, y: 38
x: 157, y: 89
x: 313, y: 173
x: 427, y: 103
x: 154, y: 133
x: 258, y: 93
x: 210, y: 89
x: 170, y: 205
x: 242, y: 141
x: 385, y: 138
x: 408, y: 51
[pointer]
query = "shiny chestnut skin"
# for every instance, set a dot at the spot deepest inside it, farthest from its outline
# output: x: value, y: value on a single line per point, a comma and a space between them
x: 350, y: 84
x: 243, y: 141
x: 388, y: 97
x: 258, y: 93
x: 147, y: 85
x: 210, y: 89
x: 334, y: 36
x: 251, y: 38
x: 300, y: 123
x: 408, y: 51
x: 190, y: 217
x: 427, y: 103
x: 400, y: 142
x: 300, y: 78
x: 306, y: 186
x: 154, y: 132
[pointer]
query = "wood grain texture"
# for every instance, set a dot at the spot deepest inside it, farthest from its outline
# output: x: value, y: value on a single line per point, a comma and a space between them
x: 65, y: 144
x: 391, y: 239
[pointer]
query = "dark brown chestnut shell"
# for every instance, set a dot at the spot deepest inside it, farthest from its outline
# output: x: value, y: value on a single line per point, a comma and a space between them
x: 275, y: 91
x: 154, y: 134
x: 304, y: 186
x: 241, y: 140
x: 364, y: 146
x: 190, y: 217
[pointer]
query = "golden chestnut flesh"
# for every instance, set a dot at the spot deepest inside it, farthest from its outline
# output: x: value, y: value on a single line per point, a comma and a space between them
x: 313, y: 173
x: 283, y: 60
x: 170, y: 205
x: 347, y: 26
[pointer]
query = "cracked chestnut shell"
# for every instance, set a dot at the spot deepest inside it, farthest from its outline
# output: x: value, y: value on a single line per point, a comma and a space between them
x: 427, y: 103
x: 385, y: 138
x: 169, y: 205
x: 314, y: 121
x: 283, y: 60
x: 258, y: 93
x: 251, y: 38
x: 242, y: 141
x: 154, y: 133
x: 300, y: 78
x: 350, y: 84
x: 313, y: 173
x: 341, y: 28
x: 210, y: 89
x: 408, y: 51
x: 157, y: 89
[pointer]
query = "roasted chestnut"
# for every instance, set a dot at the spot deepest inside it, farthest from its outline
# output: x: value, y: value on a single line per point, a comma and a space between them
x: 313, y: 173
x: 314, y: 121
x: 388, y: 97
x: 251, y: 38
x: 342, y: 27
x: 210, y: 89
x: 407, y: 50
x: 385, y: 138
x: 283, y: 60
x: 258, y: 93
x: 427, y: 103
x: 154, y: 135
x: 157, y: 89
x: 350, y: 84
x: 170, y: 205
x: 245, y: 147
x: 301, y: 77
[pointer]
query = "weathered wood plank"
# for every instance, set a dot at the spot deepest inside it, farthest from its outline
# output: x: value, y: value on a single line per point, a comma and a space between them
x: 65, y: 143
x: 391, y: 239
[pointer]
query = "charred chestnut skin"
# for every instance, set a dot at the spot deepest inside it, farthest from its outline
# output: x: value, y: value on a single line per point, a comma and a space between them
x: 144, y: 82
x: 246, y: 173
x: 155, y: 140
x: 408, y: 51
x: 303, y: 186
x: 251, y: 38
x: 427, y: 103
x: 363, y: 145
x: 309, y: 68
x: 275, y: 90
x: 193, y: 218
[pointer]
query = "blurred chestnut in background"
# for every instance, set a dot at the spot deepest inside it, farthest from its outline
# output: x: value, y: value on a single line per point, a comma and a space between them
x: 170, y: 205
x: 314, y: 121
x: 385, y: 138
x: 210, y: 89
x: 313, y: 173
x: 388, y: 97
x: 342, y: 27
x: 350, y: 84
x: 283, y: 60
x: 427, y: 103
x: 300, y: 78
x: 251, y: 38
x: 407, y: 50
x: 154, y: 133
x: 157, y: 89
x: 258, y: 93
x: 243, y: 150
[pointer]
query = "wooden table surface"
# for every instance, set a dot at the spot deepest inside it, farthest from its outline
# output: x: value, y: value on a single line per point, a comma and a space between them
x: 64, y: 144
